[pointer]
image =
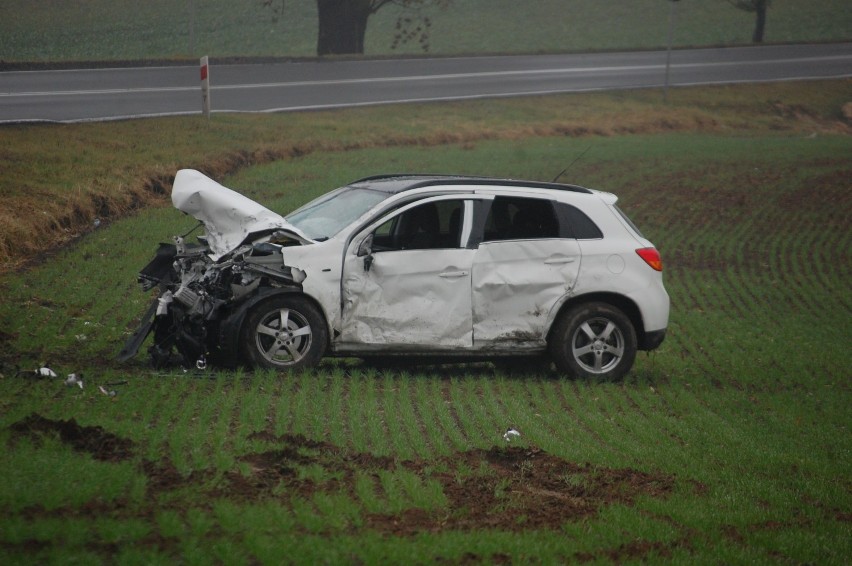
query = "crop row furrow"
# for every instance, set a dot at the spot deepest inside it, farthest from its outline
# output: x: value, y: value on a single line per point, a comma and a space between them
x: 427, y: 428
x: 285, y: 414
x: 448, y: 386
x: 412, y: 430
x: 337, y: 408
x: 655, y: 409
x: 539, y: 418
x: 796, y: 270
x: 468, y: 398
x: 441, y: 421
x: 521, y: 413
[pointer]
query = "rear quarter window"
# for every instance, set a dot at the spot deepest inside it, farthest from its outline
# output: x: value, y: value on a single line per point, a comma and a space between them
x: 575, y: 224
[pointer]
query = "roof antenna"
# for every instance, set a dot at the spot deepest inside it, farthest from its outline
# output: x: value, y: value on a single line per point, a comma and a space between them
x: 576, y: 159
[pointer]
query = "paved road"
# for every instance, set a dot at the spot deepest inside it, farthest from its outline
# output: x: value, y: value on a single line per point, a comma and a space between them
x: 107, y: 94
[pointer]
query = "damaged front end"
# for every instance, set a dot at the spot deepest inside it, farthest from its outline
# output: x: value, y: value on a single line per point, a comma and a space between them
x: 205, y: 289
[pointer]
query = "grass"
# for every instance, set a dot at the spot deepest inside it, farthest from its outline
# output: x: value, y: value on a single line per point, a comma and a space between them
x: 729, y: 444
x: 102, y: 30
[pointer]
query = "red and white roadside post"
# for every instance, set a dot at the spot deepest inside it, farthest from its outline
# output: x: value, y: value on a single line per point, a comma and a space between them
x: 205, y: 87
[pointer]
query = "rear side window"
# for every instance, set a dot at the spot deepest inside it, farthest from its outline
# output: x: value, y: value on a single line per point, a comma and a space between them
x: 517, y: 218
x: 575, y: 223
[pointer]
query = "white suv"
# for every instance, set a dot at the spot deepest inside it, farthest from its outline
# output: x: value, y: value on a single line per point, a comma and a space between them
x: 407, y: 265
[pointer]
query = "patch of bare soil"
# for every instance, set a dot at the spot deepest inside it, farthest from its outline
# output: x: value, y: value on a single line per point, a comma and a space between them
x: 508, y: 488
x: 93, y: 440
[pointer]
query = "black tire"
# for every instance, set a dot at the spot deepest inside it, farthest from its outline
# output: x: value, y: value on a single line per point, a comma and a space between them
x: 593, y: 341
x: 300, y: 345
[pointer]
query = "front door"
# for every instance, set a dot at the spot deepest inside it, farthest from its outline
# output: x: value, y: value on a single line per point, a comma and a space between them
x: 412, y: 290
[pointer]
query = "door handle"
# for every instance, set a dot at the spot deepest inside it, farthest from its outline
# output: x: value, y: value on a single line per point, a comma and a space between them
x: 454, y: 274
x: 558, y: 260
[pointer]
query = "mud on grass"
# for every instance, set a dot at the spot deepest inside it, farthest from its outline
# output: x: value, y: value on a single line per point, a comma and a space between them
x: 503, y: 489
x: 506, y: 488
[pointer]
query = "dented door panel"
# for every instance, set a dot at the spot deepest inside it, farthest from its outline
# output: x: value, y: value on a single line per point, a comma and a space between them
x: 516, y: 285
x: 408, y: 300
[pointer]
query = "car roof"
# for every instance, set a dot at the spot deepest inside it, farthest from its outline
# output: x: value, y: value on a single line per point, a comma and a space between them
x: 397, y: 183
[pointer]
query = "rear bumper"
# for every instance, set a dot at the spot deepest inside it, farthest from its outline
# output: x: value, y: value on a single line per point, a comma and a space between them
x: 653, y: 339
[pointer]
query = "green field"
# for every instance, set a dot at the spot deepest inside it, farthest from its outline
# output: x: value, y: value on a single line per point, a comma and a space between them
x: 114, y: 30
x: 730, y: 444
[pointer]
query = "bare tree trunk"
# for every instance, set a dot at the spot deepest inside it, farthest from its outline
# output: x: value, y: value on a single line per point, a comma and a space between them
x: 760, y: 21
x: 342, y: 26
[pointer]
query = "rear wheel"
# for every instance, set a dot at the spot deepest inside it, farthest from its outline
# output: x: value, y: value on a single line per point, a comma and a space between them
x: 284, y: 332
x: 594, y: 340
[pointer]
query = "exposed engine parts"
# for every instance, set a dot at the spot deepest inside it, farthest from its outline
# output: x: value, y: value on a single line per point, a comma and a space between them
x: 197, y: 295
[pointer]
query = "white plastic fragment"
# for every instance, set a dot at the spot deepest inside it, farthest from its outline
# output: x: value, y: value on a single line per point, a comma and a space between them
x: 74, y: 379
x: 110, y: 393
x: 163, y: 303
x: 510, y: 433
x: 45, y: 372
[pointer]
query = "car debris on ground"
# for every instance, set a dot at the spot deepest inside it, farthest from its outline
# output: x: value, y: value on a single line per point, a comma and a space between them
x: 74, y: 379
x: 510, y: 434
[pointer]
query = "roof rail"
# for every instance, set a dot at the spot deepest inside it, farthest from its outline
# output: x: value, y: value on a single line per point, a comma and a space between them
x: 420, y: 180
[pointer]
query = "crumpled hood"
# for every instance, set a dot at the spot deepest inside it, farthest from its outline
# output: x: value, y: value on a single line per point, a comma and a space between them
x: 229, y: 217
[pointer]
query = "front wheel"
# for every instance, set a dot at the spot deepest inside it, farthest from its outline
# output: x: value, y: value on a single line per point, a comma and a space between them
x: 284, y: 332
x: 594, y: 340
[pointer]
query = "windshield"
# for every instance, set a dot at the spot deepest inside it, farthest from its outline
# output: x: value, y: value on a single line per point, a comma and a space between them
x: 327, y: 215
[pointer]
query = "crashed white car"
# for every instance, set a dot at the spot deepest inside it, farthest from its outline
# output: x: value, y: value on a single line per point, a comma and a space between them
x: 426, y: 266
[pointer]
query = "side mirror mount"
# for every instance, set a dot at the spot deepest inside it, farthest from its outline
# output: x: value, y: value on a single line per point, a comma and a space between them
x: 366, y: 247
x: 365, y: 250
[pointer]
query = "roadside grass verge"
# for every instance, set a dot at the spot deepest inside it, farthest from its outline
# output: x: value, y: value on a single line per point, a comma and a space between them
x: 730, y: 443
x: 58, y: 178
x: 117, y: 30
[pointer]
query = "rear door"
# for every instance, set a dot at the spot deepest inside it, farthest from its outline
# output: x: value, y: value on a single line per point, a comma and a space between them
x: 525, y: 265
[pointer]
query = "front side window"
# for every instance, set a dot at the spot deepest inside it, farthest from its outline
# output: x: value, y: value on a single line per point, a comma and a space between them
x: 432, y: 225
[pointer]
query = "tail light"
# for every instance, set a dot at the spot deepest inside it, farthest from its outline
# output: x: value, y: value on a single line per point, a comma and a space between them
x: 651, y: 257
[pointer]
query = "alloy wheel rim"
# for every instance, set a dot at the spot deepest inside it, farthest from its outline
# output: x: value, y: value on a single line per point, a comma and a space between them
x: 597, y: 345
x: 283, y: 337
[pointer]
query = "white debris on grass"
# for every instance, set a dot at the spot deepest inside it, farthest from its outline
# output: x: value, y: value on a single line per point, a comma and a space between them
x: 45, y: 371
x: 110, y: 393
x: 510, y: 433
x: 74, y: 379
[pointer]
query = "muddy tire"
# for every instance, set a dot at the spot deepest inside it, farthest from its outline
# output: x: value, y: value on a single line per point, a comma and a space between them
x: 284, y: 332
x: 593, y: 341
